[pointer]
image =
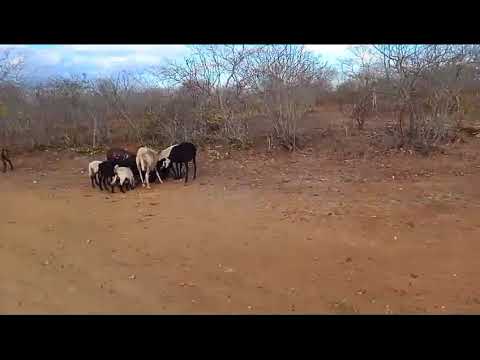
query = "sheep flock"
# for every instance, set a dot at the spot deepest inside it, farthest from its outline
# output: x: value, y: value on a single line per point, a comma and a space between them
x: 126, y: 170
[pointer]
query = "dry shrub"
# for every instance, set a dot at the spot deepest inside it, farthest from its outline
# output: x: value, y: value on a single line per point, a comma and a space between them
x: 431, y: 133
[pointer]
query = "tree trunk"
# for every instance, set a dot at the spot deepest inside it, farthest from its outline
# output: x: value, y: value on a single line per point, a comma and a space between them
x: 94, y: 140
x: 412, y: 125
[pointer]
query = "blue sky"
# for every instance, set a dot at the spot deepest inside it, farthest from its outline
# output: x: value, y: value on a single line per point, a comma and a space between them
x: 48, y: 60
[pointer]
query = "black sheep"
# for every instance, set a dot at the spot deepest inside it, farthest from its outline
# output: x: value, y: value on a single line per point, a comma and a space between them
x: 180, y: 154
x: 116, y: 154
x: 106, y: 173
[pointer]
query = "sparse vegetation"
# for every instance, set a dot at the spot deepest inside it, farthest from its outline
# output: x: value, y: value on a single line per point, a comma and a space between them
x: 418, y: 95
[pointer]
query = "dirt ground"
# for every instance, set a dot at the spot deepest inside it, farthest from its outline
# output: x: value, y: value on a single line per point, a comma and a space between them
x: 254, y: 234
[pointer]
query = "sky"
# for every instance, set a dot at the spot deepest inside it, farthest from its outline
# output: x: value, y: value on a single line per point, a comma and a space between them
x: 44, y: 61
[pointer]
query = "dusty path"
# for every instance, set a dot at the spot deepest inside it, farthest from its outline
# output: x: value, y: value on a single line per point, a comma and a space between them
x: 248, y: 236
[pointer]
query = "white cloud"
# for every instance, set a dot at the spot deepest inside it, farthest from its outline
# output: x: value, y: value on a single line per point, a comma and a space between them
x: 147, y: 59
x: 127, y: 48
x: 108, y: 62
x: 48, y: 60
x: 46, y: 56
x: 110, y: 56
x: 329, y: 50
x: 15, y: 46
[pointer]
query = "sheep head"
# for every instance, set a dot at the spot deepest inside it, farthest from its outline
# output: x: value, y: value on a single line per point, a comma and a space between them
x: 166, y: 163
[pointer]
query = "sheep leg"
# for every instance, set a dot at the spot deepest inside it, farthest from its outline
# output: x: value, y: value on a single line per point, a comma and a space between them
x: 91, y: 179
x: 140, y: 172
x: 147, y: 177
x: 179, y: 170
x: 158, y: 176
x: 113, y: 187
x: 11, y: 166
x: 115, y: 178
x: 195, y: 169
x: 100, y: 179
x: 171, y: 170
x: 105, y: 182
x: 97, y: 177
x: 4, y: 165
x: 122, y: 182
x: 186, y: 173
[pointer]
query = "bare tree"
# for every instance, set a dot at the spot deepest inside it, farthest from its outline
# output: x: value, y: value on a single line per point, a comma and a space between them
x: 11, y: 70
x: 358, y: 92
x: 11, y: 66
x: 406, y: 65
x: 213, y: 77
x: 118, y: 92
x: 284, y: 75
x: 424, y: 83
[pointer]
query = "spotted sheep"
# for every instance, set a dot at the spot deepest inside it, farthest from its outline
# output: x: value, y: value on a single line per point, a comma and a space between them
x: 123, y: 175
x: 179, y: 154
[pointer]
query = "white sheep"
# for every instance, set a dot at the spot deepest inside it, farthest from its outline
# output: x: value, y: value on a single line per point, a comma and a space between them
x: 147, y: 161
x: 93, y: 171
x: 123, y: 174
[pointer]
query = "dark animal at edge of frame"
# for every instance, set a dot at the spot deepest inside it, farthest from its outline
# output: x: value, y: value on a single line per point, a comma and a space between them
x: 6, y: 159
